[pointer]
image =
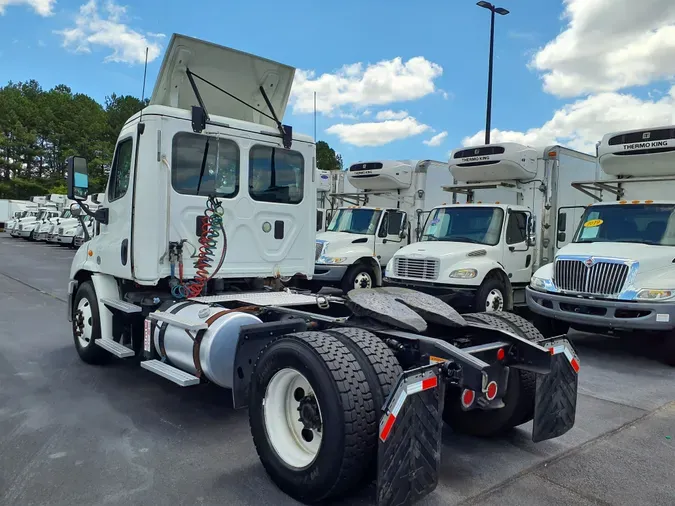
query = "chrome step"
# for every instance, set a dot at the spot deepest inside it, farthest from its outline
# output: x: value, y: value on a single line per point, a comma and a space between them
x: 125, y: 307
x: 180, y: 378
x: 117, y: 349
x: 176, y: 321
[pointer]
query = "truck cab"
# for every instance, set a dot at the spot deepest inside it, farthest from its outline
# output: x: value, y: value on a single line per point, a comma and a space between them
x: 479, y: 252
x: 382, y: 215
x: 617, y: 273
x: 27, y: 226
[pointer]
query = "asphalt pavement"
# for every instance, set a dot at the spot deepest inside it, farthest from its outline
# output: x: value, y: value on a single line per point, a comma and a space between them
x: 73, y: 434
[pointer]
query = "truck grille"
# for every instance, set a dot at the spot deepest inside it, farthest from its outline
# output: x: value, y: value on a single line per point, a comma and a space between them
x: 601, y: 278
x: 416, y: 268
x: 319, y: 248
x: 60, y: 232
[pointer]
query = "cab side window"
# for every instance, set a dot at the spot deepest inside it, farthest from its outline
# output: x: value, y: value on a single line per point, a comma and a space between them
x: 121, y: 170
x: 516, y: 229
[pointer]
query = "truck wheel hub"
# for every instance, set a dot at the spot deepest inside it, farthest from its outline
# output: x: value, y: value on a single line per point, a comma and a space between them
x: 495, y: 301
x: 363, y: 280
x: 292, y: 417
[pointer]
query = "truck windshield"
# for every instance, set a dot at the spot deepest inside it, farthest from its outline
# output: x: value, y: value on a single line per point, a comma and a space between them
x: 637, y: 223
x: 479, y: 225
x: 355, y: 221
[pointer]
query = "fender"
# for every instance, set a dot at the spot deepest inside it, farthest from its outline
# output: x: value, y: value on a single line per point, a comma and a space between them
x: 483, y: 265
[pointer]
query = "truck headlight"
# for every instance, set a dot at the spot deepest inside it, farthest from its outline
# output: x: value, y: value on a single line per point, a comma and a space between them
x: 464, y: 273
x: 654, y: 294
x: 538, y: 284
x: 331, y: 260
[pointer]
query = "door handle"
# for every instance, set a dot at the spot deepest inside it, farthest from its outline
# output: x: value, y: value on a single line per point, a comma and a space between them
x: 124, y: 250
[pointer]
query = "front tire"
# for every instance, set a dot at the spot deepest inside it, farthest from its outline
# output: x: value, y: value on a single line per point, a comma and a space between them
x: 87, y: 325
x: 335, y: 401
x: 491, y: 296
x: 358, y: 276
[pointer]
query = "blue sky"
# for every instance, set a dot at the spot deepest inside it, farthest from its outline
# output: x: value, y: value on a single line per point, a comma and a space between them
x: 603, y: 74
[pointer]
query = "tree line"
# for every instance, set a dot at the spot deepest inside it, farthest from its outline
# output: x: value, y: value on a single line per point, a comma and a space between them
x: 40, y: 129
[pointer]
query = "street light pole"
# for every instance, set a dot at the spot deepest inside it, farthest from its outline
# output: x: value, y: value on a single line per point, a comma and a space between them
x: 493, y: 10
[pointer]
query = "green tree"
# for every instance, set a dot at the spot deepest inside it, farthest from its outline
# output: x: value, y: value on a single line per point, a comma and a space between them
x: 326, y: 158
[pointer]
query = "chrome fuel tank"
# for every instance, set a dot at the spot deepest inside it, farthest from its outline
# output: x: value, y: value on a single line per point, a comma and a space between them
x: 218, y: 345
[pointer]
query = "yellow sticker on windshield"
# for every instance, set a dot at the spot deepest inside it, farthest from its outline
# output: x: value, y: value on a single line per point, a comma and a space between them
x: 593, y: 223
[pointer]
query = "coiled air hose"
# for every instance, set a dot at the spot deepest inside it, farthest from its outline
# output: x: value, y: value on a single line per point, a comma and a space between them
x: 212, y: 229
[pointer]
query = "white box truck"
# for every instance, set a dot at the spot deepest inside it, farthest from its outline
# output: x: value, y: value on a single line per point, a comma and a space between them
x: 616, y: 273
x: 10, y: 210
x: 479, y: 253
x: 336, y: 386
x: 387, y: 205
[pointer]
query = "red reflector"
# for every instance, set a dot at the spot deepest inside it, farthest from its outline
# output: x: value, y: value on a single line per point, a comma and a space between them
x: 552, y: 351
x: 430, y: 383
x: 575, y: 364
x: 387, y: 427
x: 467, y: 398
x: 501, y: 354
x: 491, y: 390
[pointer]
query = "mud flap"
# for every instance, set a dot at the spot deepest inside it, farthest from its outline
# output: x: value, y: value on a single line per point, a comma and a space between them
x: 409, y: 450
x: 555, y: 402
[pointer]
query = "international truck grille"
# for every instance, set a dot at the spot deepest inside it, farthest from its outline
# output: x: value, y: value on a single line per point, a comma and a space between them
x: 600, y: 278
x: 319, y: 248
x: 416, y: 268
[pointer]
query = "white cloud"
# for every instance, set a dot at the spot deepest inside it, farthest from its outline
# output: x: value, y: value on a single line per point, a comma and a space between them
x: 609, y: 45
x: 377, y: 133
x: 436, y: 140
x: 41, y: 7
x: 583, y: 123
x: 385, y: 115
x: 357, y: 85
x: 110, y: 31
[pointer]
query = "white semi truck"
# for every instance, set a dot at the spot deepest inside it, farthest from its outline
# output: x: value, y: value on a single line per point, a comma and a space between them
x: 479, y: 253
x: 206, y: 209
x: 26, y: 226
x: 616, y: 273
x: 388, y: 204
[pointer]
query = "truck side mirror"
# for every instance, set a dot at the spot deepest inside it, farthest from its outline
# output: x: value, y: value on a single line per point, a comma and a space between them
x: 562, y: 222
x: 78, y: 178
x: 75, y: 210
x: 561, y: 236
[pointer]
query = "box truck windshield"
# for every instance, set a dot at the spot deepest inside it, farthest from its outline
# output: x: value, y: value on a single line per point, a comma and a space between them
x: 355, y: 221
x: 479, y: 225
x: 652, y: 224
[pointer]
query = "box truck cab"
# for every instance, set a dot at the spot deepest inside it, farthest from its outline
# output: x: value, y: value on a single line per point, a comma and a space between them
x: 27, y: 226
x: 390, y: 198
x: 479, y: 253
x: 617, y: 275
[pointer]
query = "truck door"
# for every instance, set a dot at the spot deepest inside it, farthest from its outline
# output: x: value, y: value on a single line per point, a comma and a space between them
x: 388, y: 241
x: 517, y: 253
x: 113, y: 246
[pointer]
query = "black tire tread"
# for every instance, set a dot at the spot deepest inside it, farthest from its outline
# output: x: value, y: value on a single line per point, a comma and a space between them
x: 92, y: 354
x: 356, y: 400
x: 374, y: 355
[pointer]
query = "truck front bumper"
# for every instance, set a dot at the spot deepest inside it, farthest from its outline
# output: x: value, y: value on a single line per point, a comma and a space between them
x: 41, y: 236
x: 611, y: 314
x: 329, y: 273
x: 459, y: 297
x: 65, y: 239
x: 25, y: 233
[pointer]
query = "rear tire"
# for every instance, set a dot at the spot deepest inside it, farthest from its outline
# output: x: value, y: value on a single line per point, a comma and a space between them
x: 345, y: 406
x: 87, y: 325
x: 519, y: 397
x: 668, y: 348
x: 381, y: 370
x: 548, y: 327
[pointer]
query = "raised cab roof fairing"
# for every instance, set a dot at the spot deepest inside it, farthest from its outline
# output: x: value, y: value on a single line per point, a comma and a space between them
x: 238, y: 73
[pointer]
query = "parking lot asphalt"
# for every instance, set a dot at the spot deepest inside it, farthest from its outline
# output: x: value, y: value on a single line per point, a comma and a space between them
x: 73, y: 434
